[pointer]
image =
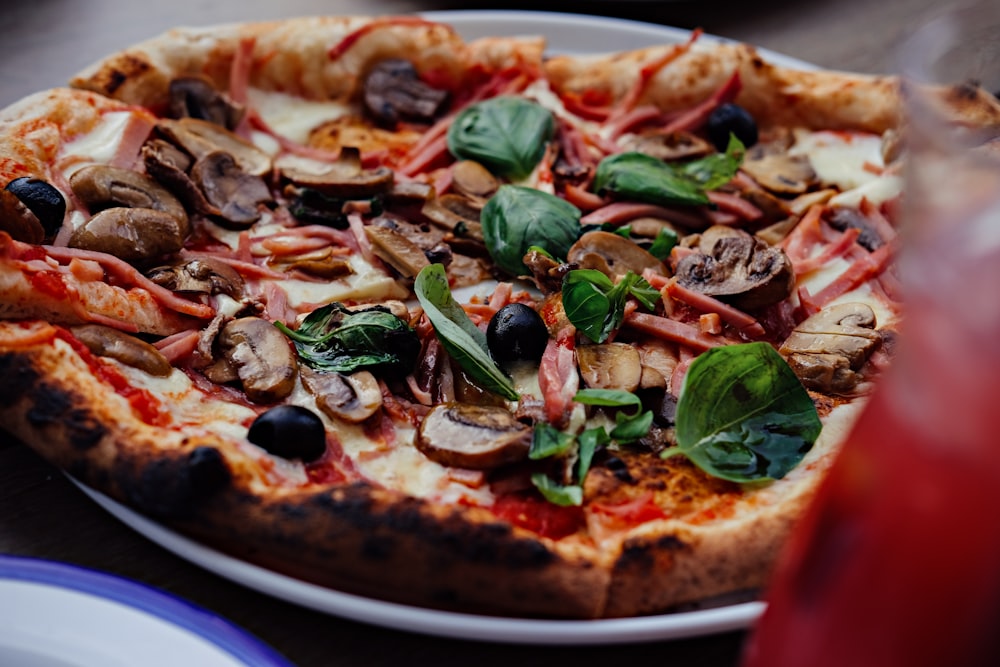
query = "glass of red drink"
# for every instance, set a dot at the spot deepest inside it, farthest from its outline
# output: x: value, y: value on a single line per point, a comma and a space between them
x: 897, y: 561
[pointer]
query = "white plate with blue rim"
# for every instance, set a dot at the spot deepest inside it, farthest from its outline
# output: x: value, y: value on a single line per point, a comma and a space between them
x: 565, y: 34
x: 58, y: 615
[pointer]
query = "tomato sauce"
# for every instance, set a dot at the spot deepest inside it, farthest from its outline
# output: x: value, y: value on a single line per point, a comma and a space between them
x: 147, y: 407
x: 530, y: 511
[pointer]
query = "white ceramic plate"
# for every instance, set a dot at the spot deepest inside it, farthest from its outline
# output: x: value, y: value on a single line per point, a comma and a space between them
x: 569, y: 34
x: 58, y: 615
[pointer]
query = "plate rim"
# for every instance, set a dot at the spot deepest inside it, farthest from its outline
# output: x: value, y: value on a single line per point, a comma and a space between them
x: 456, y: 625
x: 147, y: 600
x: 428, y: 621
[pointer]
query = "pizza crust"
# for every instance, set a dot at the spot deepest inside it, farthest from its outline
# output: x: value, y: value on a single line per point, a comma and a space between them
x: 294, y: 56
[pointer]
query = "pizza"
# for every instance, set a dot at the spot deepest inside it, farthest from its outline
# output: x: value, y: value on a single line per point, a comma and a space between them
x: 458, y: 324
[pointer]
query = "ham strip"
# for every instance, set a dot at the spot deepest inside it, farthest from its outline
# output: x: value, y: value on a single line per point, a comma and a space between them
x: 127, y: 274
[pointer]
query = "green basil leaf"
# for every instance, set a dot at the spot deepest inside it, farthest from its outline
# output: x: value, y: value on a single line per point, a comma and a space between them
x: 586, y: 304
x: 333, y: 338
x: 644, y: 178
x: 589, y: 441
x: 555, y: 493
x: 517, y: 218
x: 715, y: 170
x: 609, y: 398
x: 596, y: 306
x: 548, y: 441
x: 663, y: 244
x: 461, y: 339
x: 506, y: 134
x: 631, y: 428
x: 743, y: 415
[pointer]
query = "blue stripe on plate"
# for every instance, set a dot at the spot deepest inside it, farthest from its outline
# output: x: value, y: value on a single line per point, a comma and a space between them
x: 196, y: 620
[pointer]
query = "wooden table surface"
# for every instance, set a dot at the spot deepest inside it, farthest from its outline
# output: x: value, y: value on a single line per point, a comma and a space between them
x: 41, y: 514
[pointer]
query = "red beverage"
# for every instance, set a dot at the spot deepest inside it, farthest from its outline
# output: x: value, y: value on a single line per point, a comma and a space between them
x: 897, y: 562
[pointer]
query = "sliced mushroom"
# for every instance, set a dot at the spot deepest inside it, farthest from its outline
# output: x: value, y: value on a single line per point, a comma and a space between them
x: 473, y: 179
x: 170, y: 165
x: 32, y: 201
x: 828, y: 350
x: 547, y: 273
x: 344, y: 178
x: 780, y: 172
x: 612, y: 255
x: 456, y: 214
x: 659, y: 359
x: 131, y: 234
x: 129, y: 350
x: 17, y: 220
x: 352, y: 398
x: 609, y: 366
x: 236, y: 194
x: 842, y: 218
x: 737, y: 268
x: 200, y: 137
x: 262, y: 356
x: 670, y: 145
x: 473, y: 436
x: 202, y: 275
x: 322, y: 264
x: 396, y: 250
x: 196, y: 97
x: 393, y: 91
x: 101, y: 186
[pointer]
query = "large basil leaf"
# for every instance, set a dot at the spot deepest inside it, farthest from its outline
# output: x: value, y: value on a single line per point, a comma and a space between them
x: 461, y: 339
x: 743, y: 415
x: 517, y: 218
x: 506, y: 134
x: 333, y: 338
x: 644, y: 178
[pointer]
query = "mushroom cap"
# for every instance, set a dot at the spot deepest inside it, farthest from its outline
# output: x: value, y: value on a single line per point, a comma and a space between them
x: 234, y: 193
x: 129, y: 350
x: 737, y: 268
x: 344, y: 178
x: 393, y: 91
x: 609, y: 366
x: 103, y: 186
x: 197, y: 97
x: 828, y: 349
x: 612, y: 255
x: 263, y: 358
x: 204, y: 275
x: 352, y: 398
x: 17, y: 220
x: 131, y: 234
x: 479, y: 437
x: 200, y: 137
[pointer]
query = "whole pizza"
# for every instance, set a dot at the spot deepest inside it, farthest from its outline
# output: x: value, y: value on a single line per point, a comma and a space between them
x: 456, y: 324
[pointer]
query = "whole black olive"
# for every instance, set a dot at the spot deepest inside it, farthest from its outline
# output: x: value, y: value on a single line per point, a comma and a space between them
x: 515, y: 333
x: 730, y: 118
x: 42, y: 199
x: 289, y: 431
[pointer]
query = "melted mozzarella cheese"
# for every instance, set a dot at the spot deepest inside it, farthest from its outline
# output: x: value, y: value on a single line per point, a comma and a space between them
x: 877, y: 191
x: 840, y: 158
x: 816, y: 280
x: 366, y: 283
x: 97, y: 146
x: 294, y: 117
